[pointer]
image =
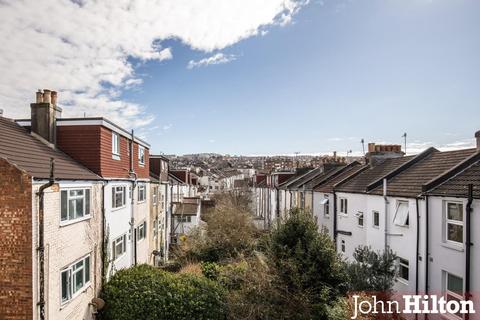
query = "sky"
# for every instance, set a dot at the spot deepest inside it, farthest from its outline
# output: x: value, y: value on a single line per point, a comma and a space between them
x: 252, y: 77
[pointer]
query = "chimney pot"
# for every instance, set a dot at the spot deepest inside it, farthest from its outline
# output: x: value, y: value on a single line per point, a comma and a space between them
x: 54, y: 97
x: 47, y: 97
x: 39, y: 96
x: 477, y: 136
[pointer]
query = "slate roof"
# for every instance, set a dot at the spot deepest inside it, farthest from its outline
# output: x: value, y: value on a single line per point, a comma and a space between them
x: 307, y: 177
x: 457, y: 186
x: 409, y: 183
x: 27, y: 152
x: 344, y: 173
x: 359, y: 183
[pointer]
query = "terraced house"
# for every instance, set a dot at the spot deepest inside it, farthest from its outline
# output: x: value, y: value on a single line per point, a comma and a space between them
x: 50, y: 223
x: 422, y: 207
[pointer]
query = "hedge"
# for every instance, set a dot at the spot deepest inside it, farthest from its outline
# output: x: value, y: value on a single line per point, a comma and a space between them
x: 144, y: 292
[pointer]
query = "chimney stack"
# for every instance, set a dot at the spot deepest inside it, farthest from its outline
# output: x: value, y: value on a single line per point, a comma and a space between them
x: 477, y: 136
x: 379, y: 153
x: 44, y: 114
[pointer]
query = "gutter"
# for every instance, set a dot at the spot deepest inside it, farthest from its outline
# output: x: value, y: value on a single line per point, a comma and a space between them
x: 41, y: 239
x: 132, y: 202
x: 468, y: 244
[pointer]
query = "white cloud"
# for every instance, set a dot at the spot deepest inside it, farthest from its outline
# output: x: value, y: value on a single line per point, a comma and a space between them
x: 81, y: 48
x: 167, y: 127
x: 218, y: 58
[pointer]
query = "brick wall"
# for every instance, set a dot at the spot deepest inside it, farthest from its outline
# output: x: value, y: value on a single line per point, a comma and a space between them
x: 16, y: 243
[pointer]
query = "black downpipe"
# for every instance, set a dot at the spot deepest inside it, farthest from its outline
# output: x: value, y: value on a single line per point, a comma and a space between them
x: 427, y: 252
x: 417, y: 247
x: 335, y: 219
x: 104, y: 233
x: 278, y: 205
x: 41, y: 239
x: 468, y: 244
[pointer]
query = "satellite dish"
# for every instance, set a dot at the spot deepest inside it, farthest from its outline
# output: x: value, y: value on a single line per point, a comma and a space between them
x: 98, y: 303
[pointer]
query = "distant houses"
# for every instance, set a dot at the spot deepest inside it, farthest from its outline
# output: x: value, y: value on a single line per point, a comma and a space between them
x: 423, y: 207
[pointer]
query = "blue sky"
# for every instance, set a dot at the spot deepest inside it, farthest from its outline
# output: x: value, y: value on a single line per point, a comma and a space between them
x: 365, y: 69
x: 338, y: 71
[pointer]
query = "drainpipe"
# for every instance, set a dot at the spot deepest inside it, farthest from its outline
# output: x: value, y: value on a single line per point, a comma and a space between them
x: 427, y: 253
x: 417, y: 247
x: 132, y: 202
x: 103, y: 237
x: 386, y: 213
x: 335, y: 219
x: 41, y: 239
x: 468, y: 244
x: 277, y: 205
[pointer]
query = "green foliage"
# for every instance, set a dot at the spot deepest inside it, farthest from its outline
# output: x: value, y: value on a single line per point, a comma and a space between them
x: 229, y: 233
x: 307, y: 263
x: 210, y: 270
x: 372, y: 271
x: 144, y: 292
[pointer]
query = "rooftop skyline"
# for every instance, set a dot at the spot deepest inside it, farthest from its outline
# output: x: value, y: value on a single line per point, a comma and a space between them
x: 253, y: 77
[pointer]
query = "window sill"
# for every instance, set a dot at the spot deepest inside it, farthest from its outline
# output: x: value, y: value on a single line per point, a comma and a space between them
x: 115, y: 156
x: 143, y: 201
x: 402, y: 281
x: 453, y: 246
x: 376, y: 227
x: 88, y: 285
x: 120, y: 257
x: 343, y: 215
x: 326, y: 217
x: 69, y: 222
x: 119, y: 208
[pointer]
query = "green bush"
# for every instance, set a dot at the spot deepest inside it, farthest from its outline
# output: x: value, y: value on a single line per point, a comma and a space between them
x: 307, y: 263
x: 372, y: 271
x: 144, y: 292
x: 210, y: 270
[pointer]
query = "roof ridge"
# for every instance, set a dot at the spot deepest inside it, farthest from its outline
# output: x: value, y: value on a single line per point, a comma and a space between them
x: 452, y: 172
x: 416, y: 159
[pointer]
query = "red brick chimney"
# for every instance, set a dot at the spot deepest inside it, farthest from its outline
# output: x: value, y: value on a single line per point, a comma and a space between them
x: 377, y: 153
x: 44, y: 113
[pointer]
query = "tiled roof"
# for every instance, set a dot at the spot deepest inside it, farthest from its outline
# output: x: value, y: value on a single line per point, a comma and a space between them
x: 27, y: 152
x: 306, y: 178
x: 409, y: 183
x: 328, y: 185
x: 359, y: 183
x: 457, y: 186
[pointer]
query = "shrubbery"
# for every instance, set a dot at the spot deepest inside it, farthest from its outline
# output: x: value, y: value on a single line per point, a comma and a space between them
x: 145, y: 292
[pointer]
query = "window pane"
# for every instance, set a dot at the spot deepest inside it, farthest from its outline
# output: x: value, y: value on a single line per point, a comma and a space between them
x: 401, y: 215
x: 78, y: 280
x: 64, y: 206
x: 79, y: 208
x: 454, y: 232
x: 87, y: 269
x: 71, y: 209
x: 455, y: 211
x: 454, y: 284
x: 65, y: 285
x: 87, y: 202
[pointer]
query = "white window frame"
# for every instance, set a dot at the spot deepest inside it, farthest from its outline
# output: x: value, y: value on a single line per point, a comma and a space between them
x: 377, y: 213
x: 448, y: 222
x: 155, y: 195
x: 119, y: 240
x: 155, y: 228
x: 142, y: 227
x: 453, y: 294
x: 403, y: 263
x: 343, y: 206
x: 141, y: 155
x: 141, y: 186
x: 87, y: 205
x: 360, y: 217
x: 326, y: 206
x: 122, y: 189
x: 184, y: 219
x: 72, y: 270
x: 115, y: 145
x: 405, y: 221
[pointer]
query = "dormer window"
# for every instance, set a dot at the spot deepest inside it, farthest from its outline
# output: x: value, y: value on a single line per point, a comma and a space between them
x: 141, y: 155
x: 115, y: 145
